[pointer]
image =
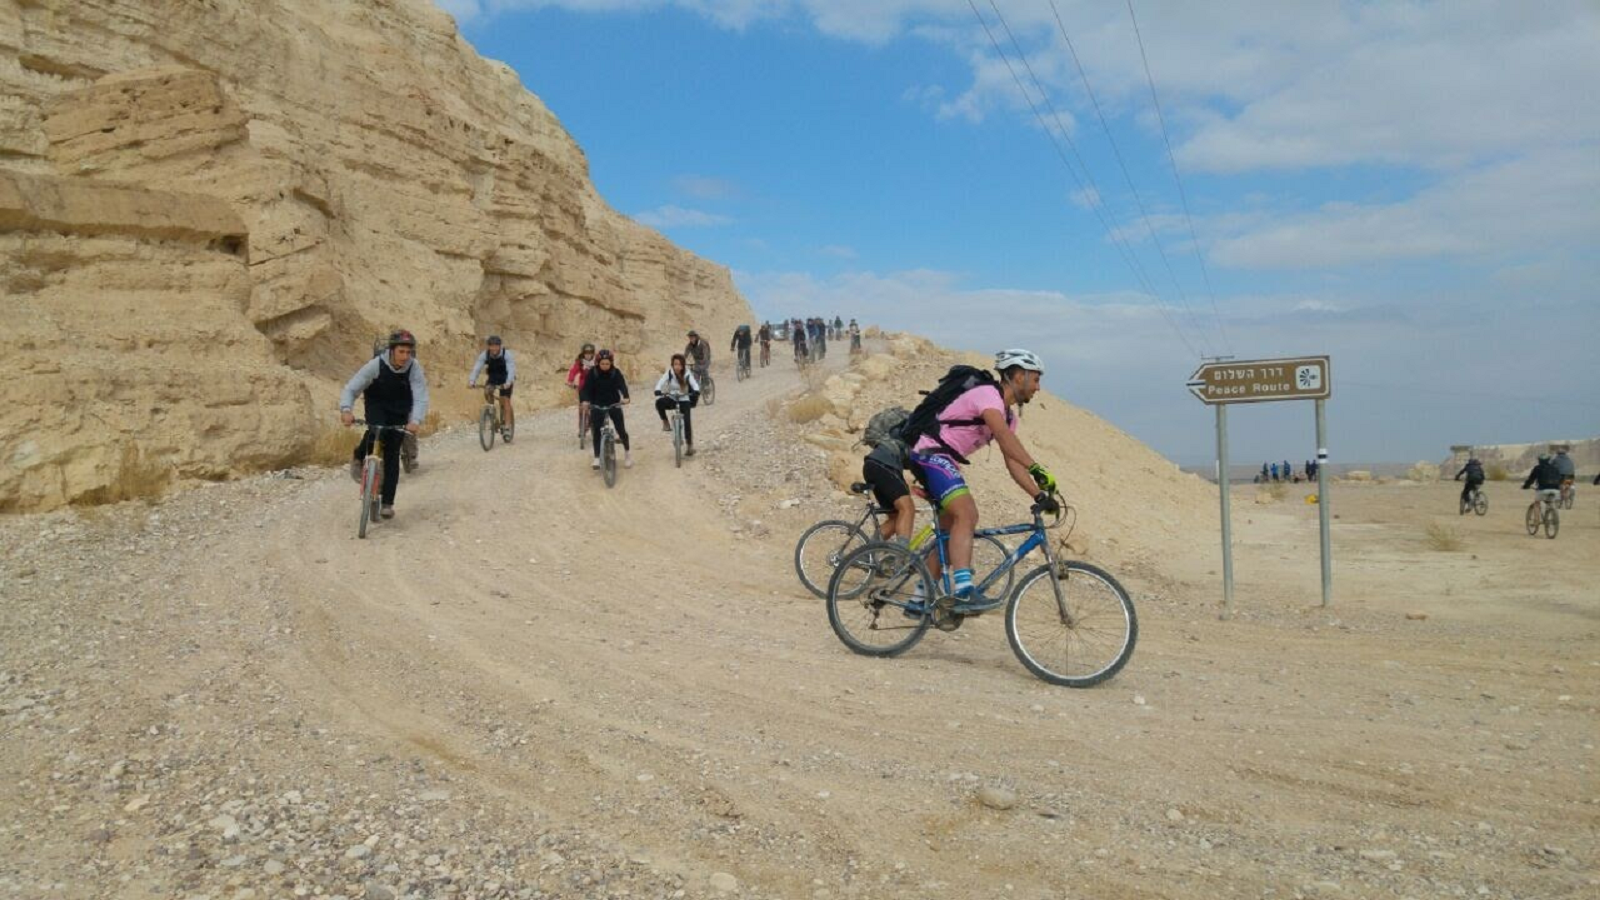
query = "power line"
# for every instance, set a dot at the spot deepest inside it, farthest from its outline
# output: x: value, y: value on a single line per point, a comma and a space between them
x: 1100, y: 212
x: 1116, y: 151
x: 1044, y: 97
x: 1183, y: 196
x: 1127, y: 177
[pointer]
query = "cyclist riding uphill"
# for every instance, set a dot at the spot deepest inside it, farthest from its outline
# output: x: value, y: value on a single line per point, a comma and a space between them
x: 962, y: 415
x: 741, y: 344
x: 1473, y: 473
x: 502, y: 369
x: 698, y: 352
x: 1545, y: 474
x: 678, y: 388
x: 395, y: 393
x: 605, y: 386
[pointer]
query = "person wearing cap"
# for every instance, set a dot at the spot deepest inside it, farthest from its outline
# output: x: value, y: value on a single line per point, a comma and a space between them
x: 395, y: 393
x: 978, y: 412
x: 502, y: 373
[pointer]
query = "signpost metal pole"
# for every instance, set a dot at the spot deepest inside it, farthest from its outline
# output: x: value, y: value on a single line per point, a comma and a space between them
x: 1227, y: 523
x: 1322, y: 504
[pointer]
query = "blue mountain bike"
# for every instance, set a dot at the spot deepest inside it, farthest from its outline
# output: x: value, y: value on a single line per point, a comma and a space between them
x: 1070, y: 623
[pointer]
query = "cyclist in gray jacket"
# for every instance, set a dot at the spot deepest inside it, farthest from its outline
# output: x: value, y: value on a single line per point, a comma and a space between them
x: 502, y: 368
x: 395, y: 393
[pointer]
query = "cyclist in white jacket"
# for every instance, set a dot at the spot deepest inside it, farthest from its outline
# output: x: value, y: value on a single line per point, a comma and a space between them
x: 678, y: 387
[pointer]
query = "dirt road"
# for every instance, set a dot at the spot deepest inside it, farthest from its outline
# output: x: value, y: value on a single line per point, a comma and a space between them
x: 529, y: 685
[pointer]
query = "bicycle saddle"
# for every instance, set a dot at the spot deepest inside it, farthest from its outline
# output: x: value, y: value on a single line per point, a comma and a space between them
x: 860, y: 487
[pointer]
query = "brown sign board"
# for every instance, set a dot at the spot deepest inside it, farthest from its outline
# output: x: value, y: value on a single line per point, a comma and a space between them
x: 1262, y: 380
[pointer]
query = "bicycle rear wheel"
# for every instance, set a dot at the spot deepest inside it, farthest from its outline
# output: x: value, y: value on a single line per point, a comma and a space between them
x: 1533, y: 519
x: 876, y: 602
x: 486, y: 428
x: 1552, y: 522
x: 1082, y: 644
x: 821, y: 548
x: 1480, y: 504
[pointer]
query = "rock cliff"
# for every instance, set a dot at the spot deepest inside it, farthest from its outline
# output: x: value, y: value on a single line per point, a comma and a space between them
x: 208, y: 208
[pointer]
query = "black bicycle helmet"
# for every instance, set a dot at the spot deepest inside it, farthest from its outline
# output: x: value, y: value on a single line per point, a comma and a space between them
x: 494, y: 340
x: 604, y: 354
x: 402, y: 338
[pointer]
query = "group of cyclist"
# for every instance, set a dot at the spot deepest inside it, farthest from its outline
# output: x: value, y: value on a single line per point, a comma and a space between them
x: 1550, y: 473
x: 982, y: 410
x: 809, y: 337
x: 394, y: 391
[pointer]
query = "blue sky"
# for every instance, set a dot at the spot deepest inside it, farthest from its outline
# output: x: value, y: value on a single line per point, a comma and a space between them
x: 1413, y: 189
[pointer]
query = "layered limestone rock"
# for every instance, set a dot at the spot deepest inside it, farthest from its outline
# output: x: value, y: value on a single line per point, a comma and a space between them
x: 208, y: 210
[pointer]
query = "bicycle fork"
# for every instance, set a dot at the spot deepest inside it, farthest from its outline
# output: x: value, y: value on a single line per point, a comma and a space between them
x: 1059, y: 573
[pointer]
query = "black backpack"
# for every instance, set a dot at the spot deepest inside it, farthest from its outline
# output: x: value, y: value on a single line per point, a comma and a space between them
x: 924, y: 421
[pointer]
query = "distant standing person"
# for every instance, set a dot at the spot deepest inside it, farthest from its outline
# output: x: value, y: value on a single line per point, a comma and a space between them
x: 1288, y: 471
x: 1274, y: 471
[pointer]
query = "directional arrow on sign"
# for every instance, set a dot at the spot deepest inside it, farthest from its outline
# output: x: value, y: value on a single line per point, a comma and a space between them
x: 1262, y: 380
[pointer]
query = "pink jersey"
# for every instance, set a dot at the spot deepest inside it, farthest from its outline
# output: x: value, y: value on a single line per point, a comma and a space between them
x: 967, y: 439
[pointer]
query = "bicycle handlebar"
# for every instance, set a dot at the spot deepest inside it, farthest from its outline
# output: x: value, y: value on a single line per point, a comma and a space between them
x: 373, y: 427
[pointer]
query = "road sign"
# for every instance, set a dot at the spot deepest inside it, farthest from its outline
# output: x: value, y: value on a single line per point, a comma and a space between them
x: 1219, y: 384
x: 1262, y: 380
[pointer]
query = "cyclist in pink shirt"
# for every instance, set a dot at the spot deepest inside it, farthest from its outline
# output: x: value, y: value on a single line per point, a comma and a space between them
x: 972, y: 420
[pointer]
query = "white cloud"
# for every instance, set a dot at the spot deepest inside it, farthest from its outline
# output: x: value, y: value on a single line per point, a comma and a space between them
x: 669, y: 216
x: 838, y: 251
x: 1537, y: 202
x: 705, y: 187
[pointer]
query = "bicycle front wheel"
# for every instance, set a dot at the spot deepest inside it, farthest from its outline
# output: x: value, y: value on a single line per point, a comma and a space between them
x: 1083, y: 639
x: 370, y: 473
x: 876, y: 599
x: 708, y: 391
x: 677, y: 442
x: 1533, y: 519
x: 608, y: 458
x: 821, y: 548
x: 1552, y: 522
x: 486, y: 429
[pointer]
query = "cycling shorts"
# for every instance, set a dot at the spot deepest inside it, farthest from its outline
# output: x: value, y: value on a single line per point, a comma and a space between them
x: 505, y: 389
x: 888, y: 484
x: 940, y: 477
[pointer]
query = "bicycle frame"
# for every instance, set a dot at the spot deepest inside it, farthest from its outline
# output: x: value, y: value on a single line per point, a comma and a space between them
x: 1037, y: 539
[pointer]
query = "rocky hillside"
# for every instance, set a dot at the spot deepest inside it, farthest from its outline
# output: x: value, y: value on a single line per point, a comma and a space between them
x: 1519, y: 459
x: 208, y: 210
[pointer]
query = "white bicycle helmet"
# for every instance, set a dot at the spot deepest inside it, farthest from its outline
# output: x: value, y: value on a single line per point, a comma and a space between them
x: 1006, y: 359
